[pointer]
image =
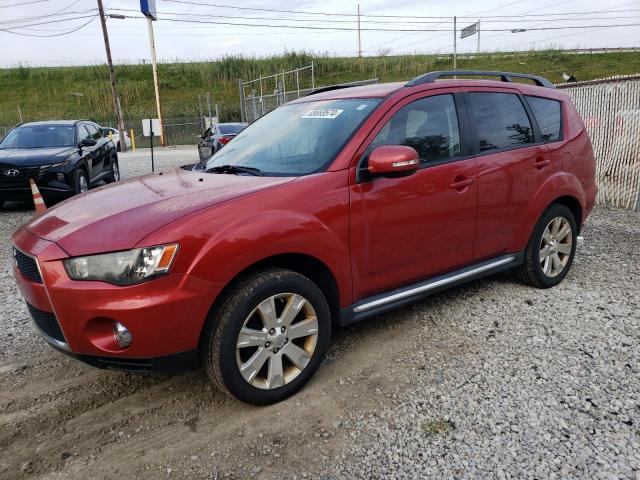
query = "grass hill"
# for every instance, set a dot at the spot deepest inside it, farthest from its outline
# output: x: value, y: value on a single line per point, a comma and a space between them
x: 84, y: 91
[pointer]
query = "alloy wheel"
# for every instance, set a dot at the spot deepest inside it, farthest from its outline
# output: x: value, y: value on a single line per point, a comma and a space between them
x: 115, y: 170
x: 83, y: 183
x: 555, y: 246
x: 277, y: 340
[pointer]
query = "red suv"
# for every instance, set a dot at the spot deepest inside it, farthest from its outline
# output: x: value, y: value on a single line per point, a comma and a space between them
x: 331, y: 209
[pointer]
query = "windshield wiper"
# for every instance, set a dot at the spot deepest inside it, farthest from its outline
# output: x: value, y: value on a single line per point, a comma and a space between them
x: 233, y: 169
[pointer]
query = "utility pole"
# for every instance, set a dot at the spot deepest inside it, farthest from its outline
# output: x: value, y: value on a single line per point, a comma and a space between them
x: 359, y: 41
x: 478, y: 49
x: 455, y: 45
x: 154, y: 66
x: 112, y: 76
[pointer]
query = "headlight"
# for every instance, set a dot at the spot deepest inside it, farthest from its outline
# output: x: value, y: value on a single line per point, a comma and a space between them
x: 54, y: 165
x: 123, y: 268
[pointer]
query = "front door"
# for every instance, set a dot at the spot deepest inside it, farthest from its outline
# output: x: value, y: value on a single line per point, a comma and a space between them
x: 404, y: 229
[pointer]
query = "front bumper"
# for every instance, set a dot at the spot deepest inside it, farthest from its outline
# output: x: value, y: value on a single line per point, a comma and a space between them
x: 165, y: 316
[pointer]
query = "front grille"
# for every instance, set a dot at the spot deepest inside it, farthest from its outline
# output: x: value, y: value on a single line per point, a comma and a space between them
x: 27, y: 266
x: 10, y: 179
x: 47, y: 322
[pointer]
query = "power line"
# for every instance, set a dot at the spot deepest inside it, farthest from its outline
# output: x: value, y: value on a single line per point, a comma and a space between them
x: 53, y: 34
x: 40, y: 17
x: 332, y: 14
x: 309, y: 27
x: 45, y: 23
x: 390, y: 22
x: 23, y: 3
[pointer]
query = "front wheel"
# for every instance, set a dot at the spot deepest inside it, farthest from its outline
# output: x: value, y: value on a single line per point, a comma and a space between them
x: 551, y: 249
x: 268, y: 337
x: 114, y: 171
x: 81, y: 181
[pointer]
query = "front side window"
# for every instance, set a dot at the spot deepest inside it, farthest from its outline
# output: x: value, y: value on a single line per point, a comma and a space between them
x: 83, y: 133
x: 501, y: 121
x: 430, y: 125
x: 549, y: 117
x: 38, y: 136
x: 295, y: 139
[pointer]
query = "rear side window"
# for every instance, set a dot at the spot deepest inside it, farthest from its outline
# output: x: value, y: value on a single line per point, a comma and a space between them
x: 430, y: 125
x: 549, y: 117
x: 501, y: 121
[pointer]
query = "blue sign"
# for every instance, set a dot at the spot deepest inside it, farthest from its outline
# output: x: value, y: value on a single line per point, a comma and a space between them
x: 148, y: 9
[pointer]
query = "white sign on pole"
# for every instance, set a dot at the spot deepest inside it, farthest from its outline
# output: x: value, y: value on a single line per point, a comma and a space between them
x: 209, y: 121
x: 468, y: 31
x: 149, y: 124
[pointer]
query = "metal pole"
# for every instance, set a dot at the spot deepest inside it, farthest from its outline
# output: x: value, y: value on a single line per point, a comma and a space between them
x: 313, y: 80
x: 200, y: 114
x: 112, y: 77
x: 209, y: 107
x: 20, y: 113
x: 359, y: 42
x: 243, y: 116
x: 478, y: 50
x: 455, y: 45
x: 154, y: 66
x: 298, y: 81
x: 151, y: 130
x: 218, y: 112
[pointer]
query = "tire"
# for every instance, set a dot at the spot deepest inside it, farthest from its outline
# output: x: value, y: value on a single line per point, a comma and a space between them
x: 78, y: 183
x: 114, y: 173
x: 263, y: 382
x: 545, y: 273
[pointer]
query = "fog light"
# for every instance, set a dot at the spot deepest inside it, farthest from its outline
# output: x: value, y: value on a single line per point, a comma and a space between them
x: 122, y: 335
x: 60, y: 177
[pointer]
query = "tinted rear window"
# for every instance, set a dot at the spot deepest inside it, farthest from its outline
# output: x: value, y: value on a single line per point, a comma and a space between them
x: 501, y: 120
x: 548, y: 116
x: 230, y: 129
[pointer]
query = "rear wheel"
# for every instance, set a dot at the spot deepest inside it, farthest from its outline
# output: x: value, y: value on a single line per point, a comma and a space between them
x: 551, y: 249
x: 81, y: 183
x: 267, y: 338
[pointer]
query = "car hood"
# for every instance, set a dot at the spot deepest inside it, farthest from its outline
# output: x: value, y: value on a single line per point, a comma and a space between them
x: 34, y: 156
x: 119, y: 216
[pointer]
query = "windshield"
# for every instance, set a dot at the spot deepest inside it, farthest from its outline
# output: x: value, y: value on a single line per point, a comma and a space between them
x: 295, y: 139
x: 39, y: 136
x: 230, y: 128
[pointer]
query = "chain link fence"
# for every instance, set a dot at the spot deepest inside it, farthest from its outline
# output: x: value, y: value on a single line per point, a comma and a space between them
x: 261, y: 95
x: 610, y: 109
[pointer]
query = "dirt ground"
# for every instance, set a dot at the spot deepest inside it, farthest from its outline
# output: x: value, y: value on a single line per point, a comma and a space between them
x: 62, y: 419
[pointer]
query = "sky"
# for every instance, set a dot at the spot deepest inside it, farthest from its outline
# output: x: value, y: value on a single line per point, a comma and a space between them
x: 415, y: 28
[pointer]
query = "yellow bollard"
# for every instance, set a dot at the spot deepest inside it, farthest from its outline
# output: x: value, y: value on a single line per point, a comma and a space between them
x: 133, y: 140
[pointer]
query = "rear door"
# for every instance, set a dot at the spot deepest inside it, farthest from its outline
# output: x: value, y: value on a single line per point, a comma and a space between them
x: 407, y: 228
x: 512, y: 161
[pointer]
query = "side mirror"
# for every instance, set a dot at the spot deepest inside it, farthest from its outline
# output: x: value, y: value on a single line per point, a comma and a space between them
x: 390, y: 159
x: 87, y: 142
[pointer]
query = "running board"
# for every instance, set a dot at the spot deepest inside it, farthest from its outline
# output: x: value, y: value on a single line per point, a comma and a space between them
x: 383, y: 302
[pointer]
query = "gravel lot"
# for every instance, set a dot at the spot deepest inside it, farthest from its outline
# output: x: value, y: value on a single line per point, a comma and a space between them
x: 488, y: 380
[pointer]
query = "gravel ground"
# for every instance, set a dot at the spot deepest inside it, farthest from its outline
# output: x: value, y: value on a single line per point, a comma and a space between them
x: 488, y: 380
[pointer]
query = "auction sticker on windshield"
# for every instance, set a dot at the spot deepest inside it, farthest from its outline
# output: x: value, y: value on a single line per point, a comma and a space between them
x: 329, y: 113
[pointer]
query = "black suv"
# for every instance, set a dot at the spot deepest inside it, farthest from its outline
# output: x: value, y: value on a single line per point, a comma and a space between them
x: 63, y: 158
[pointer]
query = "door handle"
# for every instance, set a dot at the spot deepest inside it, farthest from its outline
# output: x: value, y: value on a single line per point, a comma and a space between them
x: 541, y: 163
x: 460, y: 183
